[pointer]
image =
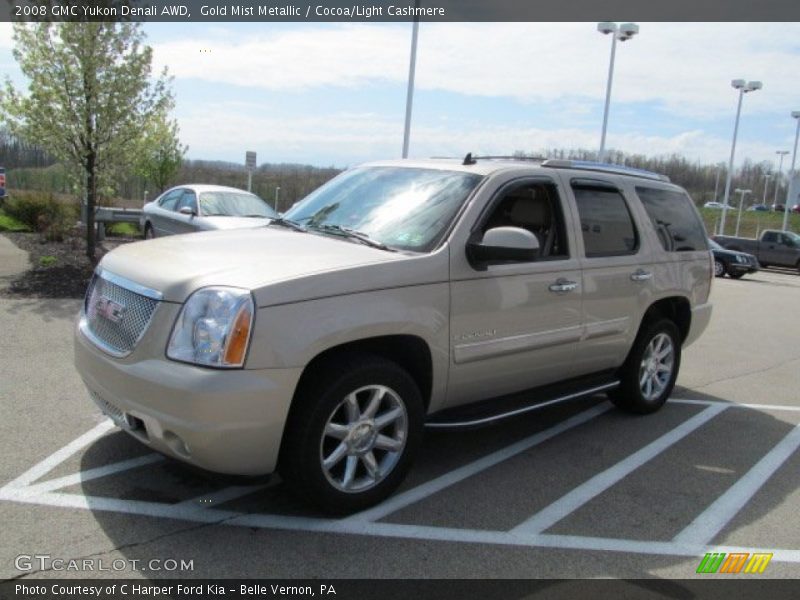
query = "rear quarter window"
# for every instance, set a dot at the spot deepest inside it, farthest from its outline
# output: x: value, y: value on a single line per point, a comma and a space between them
x: 677, y: 224
x: 606, y: 222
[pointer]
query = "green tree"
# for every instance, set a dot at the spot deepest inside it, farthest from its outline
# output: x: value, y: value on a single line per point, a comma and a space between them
x: 90, y: 96
x: 161, y: 153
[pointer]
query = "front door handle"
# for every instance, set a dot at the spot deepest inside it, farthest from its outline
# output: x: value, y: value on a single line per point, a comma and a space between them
x: 562, y: 286
x: 641, y: 275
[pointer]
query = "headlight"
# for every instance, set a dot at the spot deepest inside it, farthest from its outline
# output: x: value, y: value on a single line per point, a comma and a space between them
x: 740, y: 258
x: 213, y: 328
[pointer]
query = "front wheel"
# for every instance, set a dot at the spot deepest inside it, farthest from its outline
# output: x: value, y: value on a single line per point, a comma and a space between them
x: 352, y: 434
x: 719, y: 268
x: 649, y: 373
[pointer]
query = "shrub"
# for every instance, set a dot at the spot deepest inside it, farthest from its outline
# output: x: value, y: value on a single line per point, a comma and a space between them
x: 42, y: 213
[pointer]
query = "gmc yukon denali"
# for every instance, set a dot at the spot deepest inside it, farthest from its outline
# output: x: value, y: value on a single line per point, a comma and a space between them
x: 398, y: 296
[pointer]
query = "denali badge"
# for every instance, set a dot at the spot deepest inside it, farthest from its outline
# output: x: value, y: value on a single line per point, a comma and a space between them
x: 105, y: 307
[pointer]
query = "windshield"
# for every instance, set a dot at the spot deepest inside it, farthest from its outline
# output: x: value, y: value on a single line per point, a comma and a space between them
x: 234, y: 204
x: 404, y: 208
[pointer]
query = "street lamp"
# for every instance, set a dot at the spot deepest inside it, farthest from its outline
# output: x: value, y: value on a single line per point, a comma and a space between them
x: 622, y: 33
x: 789, y: 188
x: 741, y: 201
x: 277, y: 191
x: 412, y: 68
x: 743, y: 87
x: 780, y: 153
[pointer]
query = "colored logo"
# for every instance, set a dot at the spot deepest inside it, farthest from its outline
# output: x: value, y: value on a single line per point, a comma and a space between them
x: 734, y: 562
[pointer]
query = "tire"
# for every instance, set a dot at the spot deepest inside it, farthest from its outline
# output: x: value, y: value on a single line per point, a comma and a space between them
x: 719, y: 268
x: 149, y: 234
x: 644, y: 398
x: 736, y: 274
x: 333, y: 419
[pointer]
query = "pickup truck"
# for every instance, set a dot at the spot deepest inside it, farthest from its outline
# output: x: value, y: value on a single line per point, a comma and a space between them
x: 399, y: 296
x: 778, y: 248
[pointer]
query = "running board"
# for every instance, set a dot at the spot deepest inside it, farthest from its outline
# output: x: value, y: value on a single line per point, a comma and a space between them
x: 442, y: 421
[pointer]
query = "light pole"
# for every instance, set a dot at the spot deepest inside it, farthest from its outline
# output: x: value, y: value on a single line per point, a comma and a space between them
x: 743, y: 87
x: 766, y: 187
x: 622, y: 33
x: 277, y: 191
x: 780, y: 153
x: 741, y: 201
x: 716, y: 185
x: 789, y: 188
x: 412, y: 68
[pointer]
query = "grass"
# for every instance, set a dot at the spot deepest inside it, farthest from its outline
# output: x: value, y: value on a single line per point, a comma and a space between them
x: 123, y: 229
x: 752, y: 223
x: 47, y: 261
x: 8, y: 223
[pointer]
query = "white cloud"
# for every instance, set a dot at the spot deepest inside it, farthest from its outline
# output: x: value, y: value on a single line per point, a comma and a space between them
x: 347, y: 138
x: 687, y: 66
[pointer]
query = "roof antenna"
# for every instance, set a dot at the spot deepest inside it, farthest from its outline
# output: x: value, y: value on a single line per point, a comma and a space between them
x: 468, y: 160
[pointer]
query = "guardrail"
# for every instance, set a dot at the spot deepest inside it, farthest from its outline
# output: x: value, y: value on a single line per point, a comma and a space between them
x: 110, y: 214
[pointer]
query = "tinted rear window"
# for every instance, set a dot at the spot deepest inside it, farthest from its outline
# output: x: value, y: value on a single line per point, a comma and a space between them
x: 606, y: 223
x: 676, y: 222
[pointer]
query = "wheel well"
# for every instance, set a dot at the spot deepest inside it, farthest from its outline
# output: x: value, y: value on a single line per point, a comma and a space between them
x: 409, y: 351
x: 676, y: 309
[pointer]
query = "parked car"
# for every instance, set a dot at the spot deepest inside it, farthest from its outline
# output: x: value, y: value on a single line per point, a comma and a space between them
x: 194, y: 207
x: 778, y: 207
x: 795, y: 208
x: 2, y: 184
x: 758, y: 208
x: 729, y: 262
x: 399, y: 294
x: 718, y: 205
x: 774, y: 247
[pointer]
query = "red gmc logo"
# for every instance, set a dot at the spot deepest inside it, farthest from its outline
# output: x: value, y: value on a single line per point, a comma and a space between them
x: 108, y: 309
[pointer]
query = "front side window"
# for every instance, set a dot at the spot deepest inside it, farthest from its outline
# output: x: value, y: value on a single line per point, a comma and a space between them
x: 169, y: 201
x: 536, y: 207
x: 234, y: 204
x: 403, y: 208
x: 188, y: 200
x: 678, y: 227
x: 606, y: 222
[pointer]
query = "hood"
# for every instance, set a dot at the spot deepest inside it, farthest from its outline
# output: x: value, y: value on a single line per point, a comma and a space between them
x: 233, y: 222
x: 248, y: 258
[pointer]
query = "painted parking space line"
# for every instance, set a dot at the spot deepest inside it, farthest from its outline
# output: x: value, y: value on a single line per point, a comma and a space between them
x: 95, y: 473
x: 570, y: 502
x: 712, y: 520
x: 438, y: 484
x: 28, y: 489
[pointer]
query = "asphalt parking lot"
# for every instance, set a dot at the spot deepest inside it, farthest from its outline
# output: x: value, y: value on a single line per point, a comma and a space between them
x: 579, y: 490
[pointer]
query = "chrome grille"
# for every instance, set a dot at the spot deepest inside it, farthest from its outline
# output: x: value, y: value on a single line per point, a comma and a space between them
x: 116, y: 317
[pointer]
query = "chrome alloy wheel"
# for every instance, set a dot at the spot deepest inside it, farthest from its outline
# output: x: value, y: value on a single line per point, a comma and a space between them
x: 655, y: 371
x: 364, y: 438
x: 719, y: 269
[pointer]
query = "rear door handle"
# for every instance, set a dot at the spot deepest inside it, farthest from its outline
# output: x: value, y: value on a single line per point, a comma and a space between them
x: 562, y: 286
x: 641, y: 275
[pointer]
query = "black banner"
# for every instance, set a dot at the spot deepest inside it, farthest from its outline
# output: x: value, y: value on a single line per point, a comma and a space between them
x: 389, y: 589
x: 398, y: 10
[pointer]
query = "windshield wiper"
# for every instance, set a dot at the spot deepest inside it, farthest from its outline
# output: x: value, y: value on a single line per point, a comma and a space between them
x: 351, y: 234
x: 289, y: 224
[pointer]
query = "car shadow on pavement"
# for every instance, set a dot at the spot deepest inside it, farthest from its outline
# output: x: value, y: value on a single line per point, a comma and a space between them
x: 652, y: 503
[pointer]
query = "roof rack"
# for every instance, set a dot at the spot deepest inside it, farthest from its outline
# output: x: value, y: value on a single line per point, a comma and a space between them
x: 469, y: 159
x: 588, y: 165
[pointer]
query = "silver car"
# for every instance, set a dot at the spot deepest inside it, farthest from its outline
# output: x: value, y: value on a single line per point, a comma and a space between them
x: 194, y: 207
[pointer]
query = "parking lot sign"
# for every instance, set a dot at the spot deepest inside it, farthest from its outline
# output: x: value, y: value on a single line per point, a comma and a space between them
x: 250, y: 160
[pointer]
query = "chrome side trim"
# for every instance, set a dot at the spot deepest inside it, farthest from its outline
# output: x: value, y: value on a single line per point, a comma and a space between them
x: 129, y: 285
x: 465, y: 353
x: 604, y: 328
x: 83, y: 325
x: 519, y: 411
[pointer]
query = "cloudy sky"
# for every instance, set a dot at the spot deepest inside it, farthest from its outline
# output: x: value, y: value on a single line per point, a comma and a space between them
x: 334, y: 94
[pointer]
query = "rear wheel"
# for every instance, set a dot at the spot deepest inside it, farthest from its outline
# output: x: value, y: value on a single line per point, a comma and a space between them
x: 649, y: 373
x: 352, y: 433
x: 719, y: 268
x: 149, y: 234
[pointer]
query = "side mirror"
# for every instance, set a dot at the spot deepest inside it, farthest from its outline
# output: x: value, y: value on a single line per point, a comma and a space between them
x: 185, y: 210
x: 504, y: 243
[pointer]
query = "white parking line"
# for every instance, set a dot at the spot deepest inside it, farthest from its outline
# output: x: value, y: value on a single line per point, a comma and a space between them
x: 433, y: 486
x: 104, y: 471
x: 24, y: 489
x: 711, y: 521
x: 552, y: 514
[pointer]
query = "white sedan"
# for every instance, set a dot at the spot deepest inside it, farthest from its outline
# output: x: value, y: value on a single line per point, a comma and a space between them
x: 194, y: 207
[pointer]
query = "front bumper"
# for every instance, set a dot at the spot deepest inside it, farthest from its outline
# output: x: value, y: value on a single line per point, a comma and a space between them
x: 227, y: 421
